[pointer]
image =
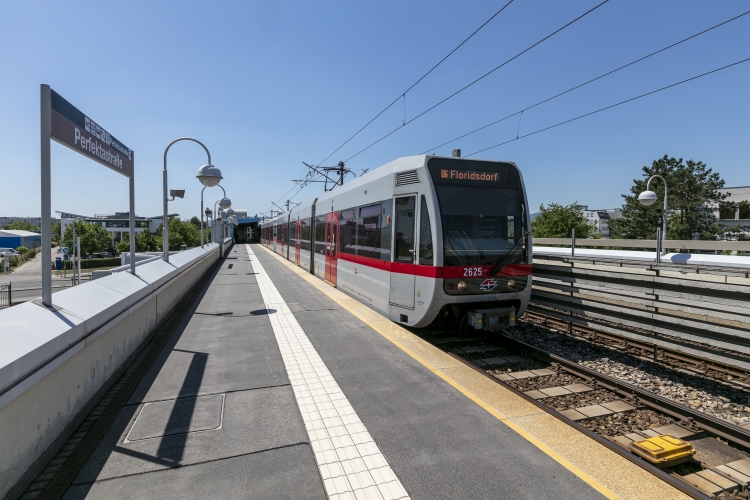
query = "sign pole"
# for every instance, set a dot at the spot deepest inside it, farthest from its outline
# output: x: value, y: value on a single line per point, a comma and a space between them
x: 132, y: 224
x: 46, y: 133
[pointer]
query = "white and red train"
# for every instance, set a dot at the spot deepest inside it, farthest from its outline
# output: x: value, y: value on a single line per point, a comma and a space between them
x: 424, y: 240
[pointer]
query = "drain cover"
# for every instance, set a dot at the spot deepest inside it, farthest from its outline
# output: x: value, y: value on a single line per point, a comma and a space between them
x: 178, y: 416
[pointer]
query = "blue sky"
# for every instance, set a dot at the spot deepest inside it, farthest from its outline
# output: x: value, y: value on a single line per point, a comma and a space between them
x: 268, y: 85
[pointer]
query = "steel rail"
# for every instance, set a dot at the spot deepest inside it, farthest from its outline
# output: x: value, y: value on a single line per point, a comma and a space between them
x: 716, y: 426
x: 667, y: 478
x: 646, y: 346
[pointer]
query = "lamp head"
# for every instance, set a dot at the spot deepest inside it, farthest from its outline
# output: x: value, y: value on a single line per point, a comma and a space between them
x: 209, y: 175
x: 225, y: 203
x: 647, y: 198
x: 230, y: 211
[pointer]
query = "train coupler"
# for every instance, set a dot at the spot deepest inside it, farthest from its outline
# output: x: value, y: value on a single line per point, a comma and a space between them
x: 492, y: 319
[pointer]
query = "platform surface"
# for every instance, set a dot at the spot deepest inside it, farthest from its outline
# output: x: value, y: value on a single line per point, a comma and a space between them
x: 279, y: 386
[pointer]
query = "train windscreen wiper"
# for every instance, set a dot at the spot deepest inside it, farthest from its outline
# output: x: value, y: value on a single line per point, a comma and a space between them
x: 511, y: 249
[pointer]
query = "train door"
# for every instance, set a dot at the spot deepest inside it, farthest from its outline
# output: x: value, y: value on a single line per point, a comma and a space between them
x: 297, y: 240
x: 332, y: 231
x: 283, y: 238
x: 404, y: 252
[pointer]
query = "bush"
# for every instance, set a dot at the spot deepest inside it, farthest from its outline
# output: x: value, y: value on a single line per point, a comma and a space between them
x: 31, y: 254
x: 93, y: 263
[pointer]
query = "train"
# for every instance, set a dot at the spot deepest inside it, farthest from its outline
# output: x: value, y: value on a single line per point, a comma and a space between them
x: 427, y: 241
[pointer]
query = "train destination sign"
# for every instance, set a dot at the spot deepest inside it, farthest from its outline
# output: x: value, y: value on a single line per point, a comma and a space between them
x: 72, y: 128
x: 469, y: 175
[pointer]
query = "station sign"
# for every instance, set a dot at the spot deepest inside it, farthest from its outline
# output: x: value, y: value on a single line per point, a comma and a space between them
x: 72, y: 128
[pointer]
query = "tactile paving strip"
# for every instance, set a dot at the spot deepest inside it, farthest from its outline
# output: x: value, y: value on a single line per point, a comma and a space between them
x: 350, y: 463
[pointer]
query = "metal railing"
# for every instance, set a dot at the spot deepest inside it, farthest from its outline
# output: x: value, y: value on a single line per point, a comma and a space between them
x: 705, y: 245
x: 688, y: 310
x: 23, y: 291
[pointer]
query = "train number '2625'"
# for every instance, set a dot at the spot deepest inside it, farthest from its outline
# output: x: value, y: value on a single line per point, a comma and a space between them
x: 472, y: 271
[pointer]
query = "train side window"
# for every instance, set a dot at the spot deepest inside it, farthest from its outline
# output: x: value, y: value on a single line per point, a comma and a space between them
x: 425, y: 235
x: 404, y: 232
x: 305, y: 234
x: 368, y: 231
x: 348, y: 231
x: 320, y: 234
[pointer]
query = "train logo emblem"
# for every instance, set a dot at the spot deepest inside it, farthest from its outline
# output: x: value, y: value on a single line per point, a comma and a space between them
x: 488, y: 284
x: 355, y: 270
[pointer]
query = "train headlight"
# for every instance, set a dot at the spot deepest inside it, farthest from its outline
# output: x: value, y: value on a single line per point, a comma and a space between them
x: 449, y: 286
x: 462, y: 286
x: 511, y: 283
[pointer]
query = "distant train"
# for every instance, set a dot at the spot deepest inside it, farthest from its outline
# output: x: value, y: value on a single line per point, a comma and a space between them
x: 424, y: 240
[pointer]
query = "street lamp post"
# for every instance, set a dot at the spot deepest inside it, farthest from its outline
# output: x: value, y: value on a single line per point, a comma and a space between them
x: 224, y: 203
x: 165, y: 235
x: 648, y: 198
x: 230, y: 217
x: 209, y: 176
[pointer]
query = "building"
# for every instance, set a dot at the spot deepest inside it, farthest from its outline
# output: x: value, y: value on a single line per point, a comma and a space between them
x: 117, y: 225
x: 738, y: 215
x: 11, y: 238
x: 601, y: 218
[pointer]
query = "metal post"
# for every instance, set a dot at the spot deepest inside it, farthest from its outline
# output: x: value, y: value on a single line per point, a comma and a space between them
x: 204, y: 188
x: 664, y: 214
x: 573, y: 243
x: 165, y: 230
x: 658, y: 245
x: 79, y: 259
x: 46, y: 134
x: 74, y: 252
x: 132, y: 225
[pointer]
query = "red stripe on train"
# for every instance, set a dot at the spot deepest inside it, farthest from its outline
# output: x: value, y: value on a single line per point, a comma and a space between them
x: 435, y: 271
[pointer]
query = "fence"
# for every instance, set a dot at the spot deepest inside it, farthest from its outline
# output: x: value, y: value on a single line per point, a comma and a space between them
x: 679, y: 245
x: 22, y: 291
x: 686, y: 309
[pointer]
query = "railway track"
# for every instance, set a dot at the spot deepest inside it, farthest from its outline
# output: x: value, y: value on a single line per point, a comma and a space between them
x: 685, y: 361
x: 613, y: 412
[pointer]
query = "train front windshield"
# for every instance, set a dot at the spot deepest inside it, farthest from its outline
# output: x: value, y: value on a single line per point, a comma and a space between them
x: 482, y: 212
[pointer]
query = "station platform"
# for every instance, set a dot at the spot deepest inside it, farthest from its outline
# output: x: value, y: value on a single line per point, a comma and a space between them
x: 277, y: 385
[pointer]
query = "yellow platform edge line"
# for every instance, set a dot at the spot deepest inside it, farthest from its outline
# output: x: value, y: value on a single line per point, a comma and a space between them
x: 327, y: 289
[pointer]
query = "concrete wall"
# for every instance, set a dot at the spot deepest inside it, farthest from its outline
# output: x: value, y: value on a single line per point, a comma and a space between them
x: 54, y: 362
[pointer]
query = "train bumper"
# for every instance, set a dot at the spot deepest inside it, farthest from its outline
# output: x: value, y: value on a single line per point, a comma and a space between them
x: 492, y: 319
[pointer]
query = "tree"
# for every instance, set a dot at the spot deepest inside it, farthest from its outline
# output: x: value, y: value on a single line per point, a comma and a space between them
x: 558, y: 221
x: 195, y: 221
x: 21, y: 225
x: 22, y: 251
x: 692, y: 196
x: 180, y: 233
x: 144, y: 242
x: 94, y: 238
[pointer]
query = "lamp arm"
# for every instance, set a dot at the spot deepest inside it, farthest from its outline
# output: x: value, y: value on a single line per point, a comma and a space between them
x: 185, y: 139
x: 165, y: 235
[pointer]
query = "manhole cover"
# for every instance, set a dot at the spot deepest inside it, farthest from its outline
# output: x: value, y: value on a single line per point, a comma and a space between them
x: 178, y: 416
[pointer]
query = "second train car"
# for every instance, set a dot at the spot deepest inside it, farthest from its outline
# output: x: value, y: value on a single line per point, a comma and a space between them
x: 423, y: 240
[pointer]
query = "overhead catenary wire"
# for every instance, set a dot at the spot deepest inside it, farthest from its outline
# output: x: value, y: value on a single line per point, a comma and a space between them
x: 611, y: 106
x: 586, y: 83
x: 403, y: 94
x: 443, y: 101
